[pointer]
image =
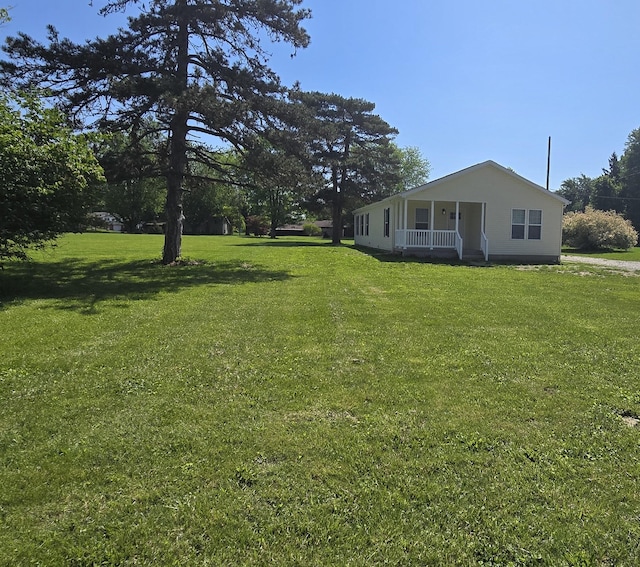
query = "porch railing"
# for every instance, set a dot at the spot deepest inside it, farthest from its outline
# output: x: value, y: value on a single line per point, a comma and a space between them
x: 459, y: 245
x: 411, y: 238
x: 484, y: 246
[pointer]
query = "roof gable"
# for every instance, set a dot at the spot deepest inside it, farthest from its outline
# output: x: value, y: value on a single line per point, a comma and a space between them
x: 478, y: 166
x: 470, y: 171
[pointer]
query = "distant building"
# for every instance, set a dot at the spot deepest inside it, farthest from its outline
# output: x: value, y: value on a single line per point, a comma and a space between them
x: 290, y: 230
x: 109, y: 220
x: 220, y: 225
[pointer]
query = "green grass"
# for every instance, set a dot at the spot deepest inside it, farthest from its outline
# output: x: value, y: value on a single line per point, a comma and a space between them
x: 633, y: 254
x: 295, y: 403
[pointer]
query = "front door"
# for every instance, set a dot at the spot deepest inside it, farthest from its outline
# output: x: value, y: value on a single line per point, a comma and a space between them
x: 472, y: 226
x: 452, y: 222
x: 469, y: 223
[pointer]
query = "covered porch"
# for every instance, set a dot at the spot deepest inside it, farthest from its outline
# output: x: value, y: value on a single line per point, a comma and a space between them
x: 440, y: 226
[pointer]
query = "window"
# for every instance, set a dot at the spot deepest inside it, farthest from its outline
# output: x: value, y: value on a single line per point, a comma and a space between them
x: 535, y: 224
x: 357, y: 223
x: 366, y: 224
x: 452, y: 215
x: 526, y: 224
x: 387, y: 219
x: 517, y: 223
x: 422, y: 219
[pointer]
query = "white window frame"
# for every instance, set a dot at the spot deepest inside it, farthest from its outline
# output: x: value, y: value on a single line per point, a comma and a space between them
x: 529, y: 231
x: 424, y: 224
x: 366, y: 224
x: 531, y: 225
x: 522, y: 224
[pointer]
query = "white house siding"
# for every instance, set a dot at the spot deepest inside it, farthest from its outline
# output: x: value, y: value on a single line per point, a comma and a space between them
x: 503, y: 192
x: 376, y: 237
x: 499, y: 189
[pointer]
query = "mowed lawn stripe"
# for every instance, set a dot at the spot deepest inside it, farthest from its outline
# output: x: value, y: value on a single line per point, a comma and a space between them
x: 292, y: 402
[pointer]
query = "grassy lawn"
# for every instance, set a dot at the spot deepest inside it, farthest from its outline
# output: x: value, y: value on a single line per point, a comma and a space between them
x: 633, y: 254
x: 292, y: 403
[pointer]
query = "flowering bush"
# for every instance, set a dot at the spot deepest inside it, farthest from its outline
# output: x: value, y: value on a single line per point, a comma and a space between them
x: 597, y: 230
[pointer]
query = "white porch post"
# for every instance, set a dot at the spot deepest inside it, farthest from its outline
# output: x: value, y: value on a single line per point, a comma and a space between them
x: 459, y: 247
x: 406, y: 212
x: 432, y: 221
x: 484, y: 235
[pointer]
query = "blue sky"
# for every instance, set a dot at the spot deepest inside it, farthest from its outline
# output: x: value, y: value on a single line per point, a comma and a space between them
x: 463, y: 80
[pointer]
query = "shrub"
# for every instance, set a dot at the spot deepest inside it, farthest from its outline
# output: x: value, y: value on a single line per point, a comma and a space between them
x: 311, y: 229
x: 257, y: 225
x: 597, y: 230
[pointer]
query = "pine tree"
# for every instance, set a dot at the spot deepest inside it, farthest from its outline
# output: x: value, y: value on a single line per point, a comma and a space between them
x: 352, y: 146
x: 630, y: 175
x: 189, y: 67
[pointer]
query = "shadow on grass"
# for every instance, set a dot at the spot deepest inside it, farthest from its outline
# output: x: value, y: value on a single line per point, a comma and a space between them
x: 277, y: 243
x: 80, y: 285
x: 383, y: 256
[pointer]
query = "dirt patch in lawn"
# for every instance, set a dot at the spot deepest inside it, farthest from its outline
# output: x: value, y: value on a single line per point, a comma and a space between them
x: 630, y: 420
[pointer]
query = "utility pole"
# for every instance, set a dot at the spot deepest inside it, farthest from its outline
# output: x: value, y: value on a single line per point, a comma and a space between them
x: 548, y: 162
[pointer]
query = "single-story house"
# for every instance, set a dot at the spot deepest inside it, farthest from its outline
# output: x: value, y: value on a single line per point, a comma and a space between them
x: 290, y: 230
x: 484, y: 211
x: 326, y: 226
x: 220, y: 225
x: 109, y: 220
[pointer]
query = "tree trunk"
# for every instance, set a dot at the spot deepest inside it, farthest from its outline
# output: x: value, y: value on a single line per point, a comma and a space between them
x: 175, y: 218
x: 178, y: 146
x: 273, y: 213
x: 338, y: 188
x: 336, y: 209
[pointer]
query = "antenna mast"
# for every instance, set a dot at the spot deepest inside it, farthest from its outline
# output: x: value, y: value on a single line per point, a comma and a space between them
x: 548, y: 162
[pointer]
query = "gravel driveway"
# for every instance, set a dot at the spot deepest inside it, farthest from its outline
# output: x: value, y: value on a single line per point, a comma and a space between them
x: 619, y: 264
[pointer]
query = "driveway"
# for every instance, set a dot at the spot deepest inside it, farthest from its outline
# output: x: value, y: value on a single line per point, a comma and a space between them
x: 617, y: 264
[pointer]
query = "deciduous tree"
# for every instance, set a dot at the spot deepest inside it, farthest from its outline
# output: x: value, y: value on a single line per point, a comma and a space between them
x: 211, y: 194
x: 49, y: 177
x: 135, y: 188
x: 578, y: 191
x: 278, y: 181
x: 414, y: 168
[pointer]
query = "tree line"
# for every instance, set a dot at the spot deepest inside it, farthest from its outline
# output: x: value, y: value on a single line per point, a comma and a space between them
x: 617, y: 189
x: 186, y: 119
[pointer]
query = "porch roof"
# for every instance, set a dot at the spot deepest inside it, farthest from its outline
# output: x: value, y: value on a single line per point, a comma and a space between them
x: 432, y: 184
